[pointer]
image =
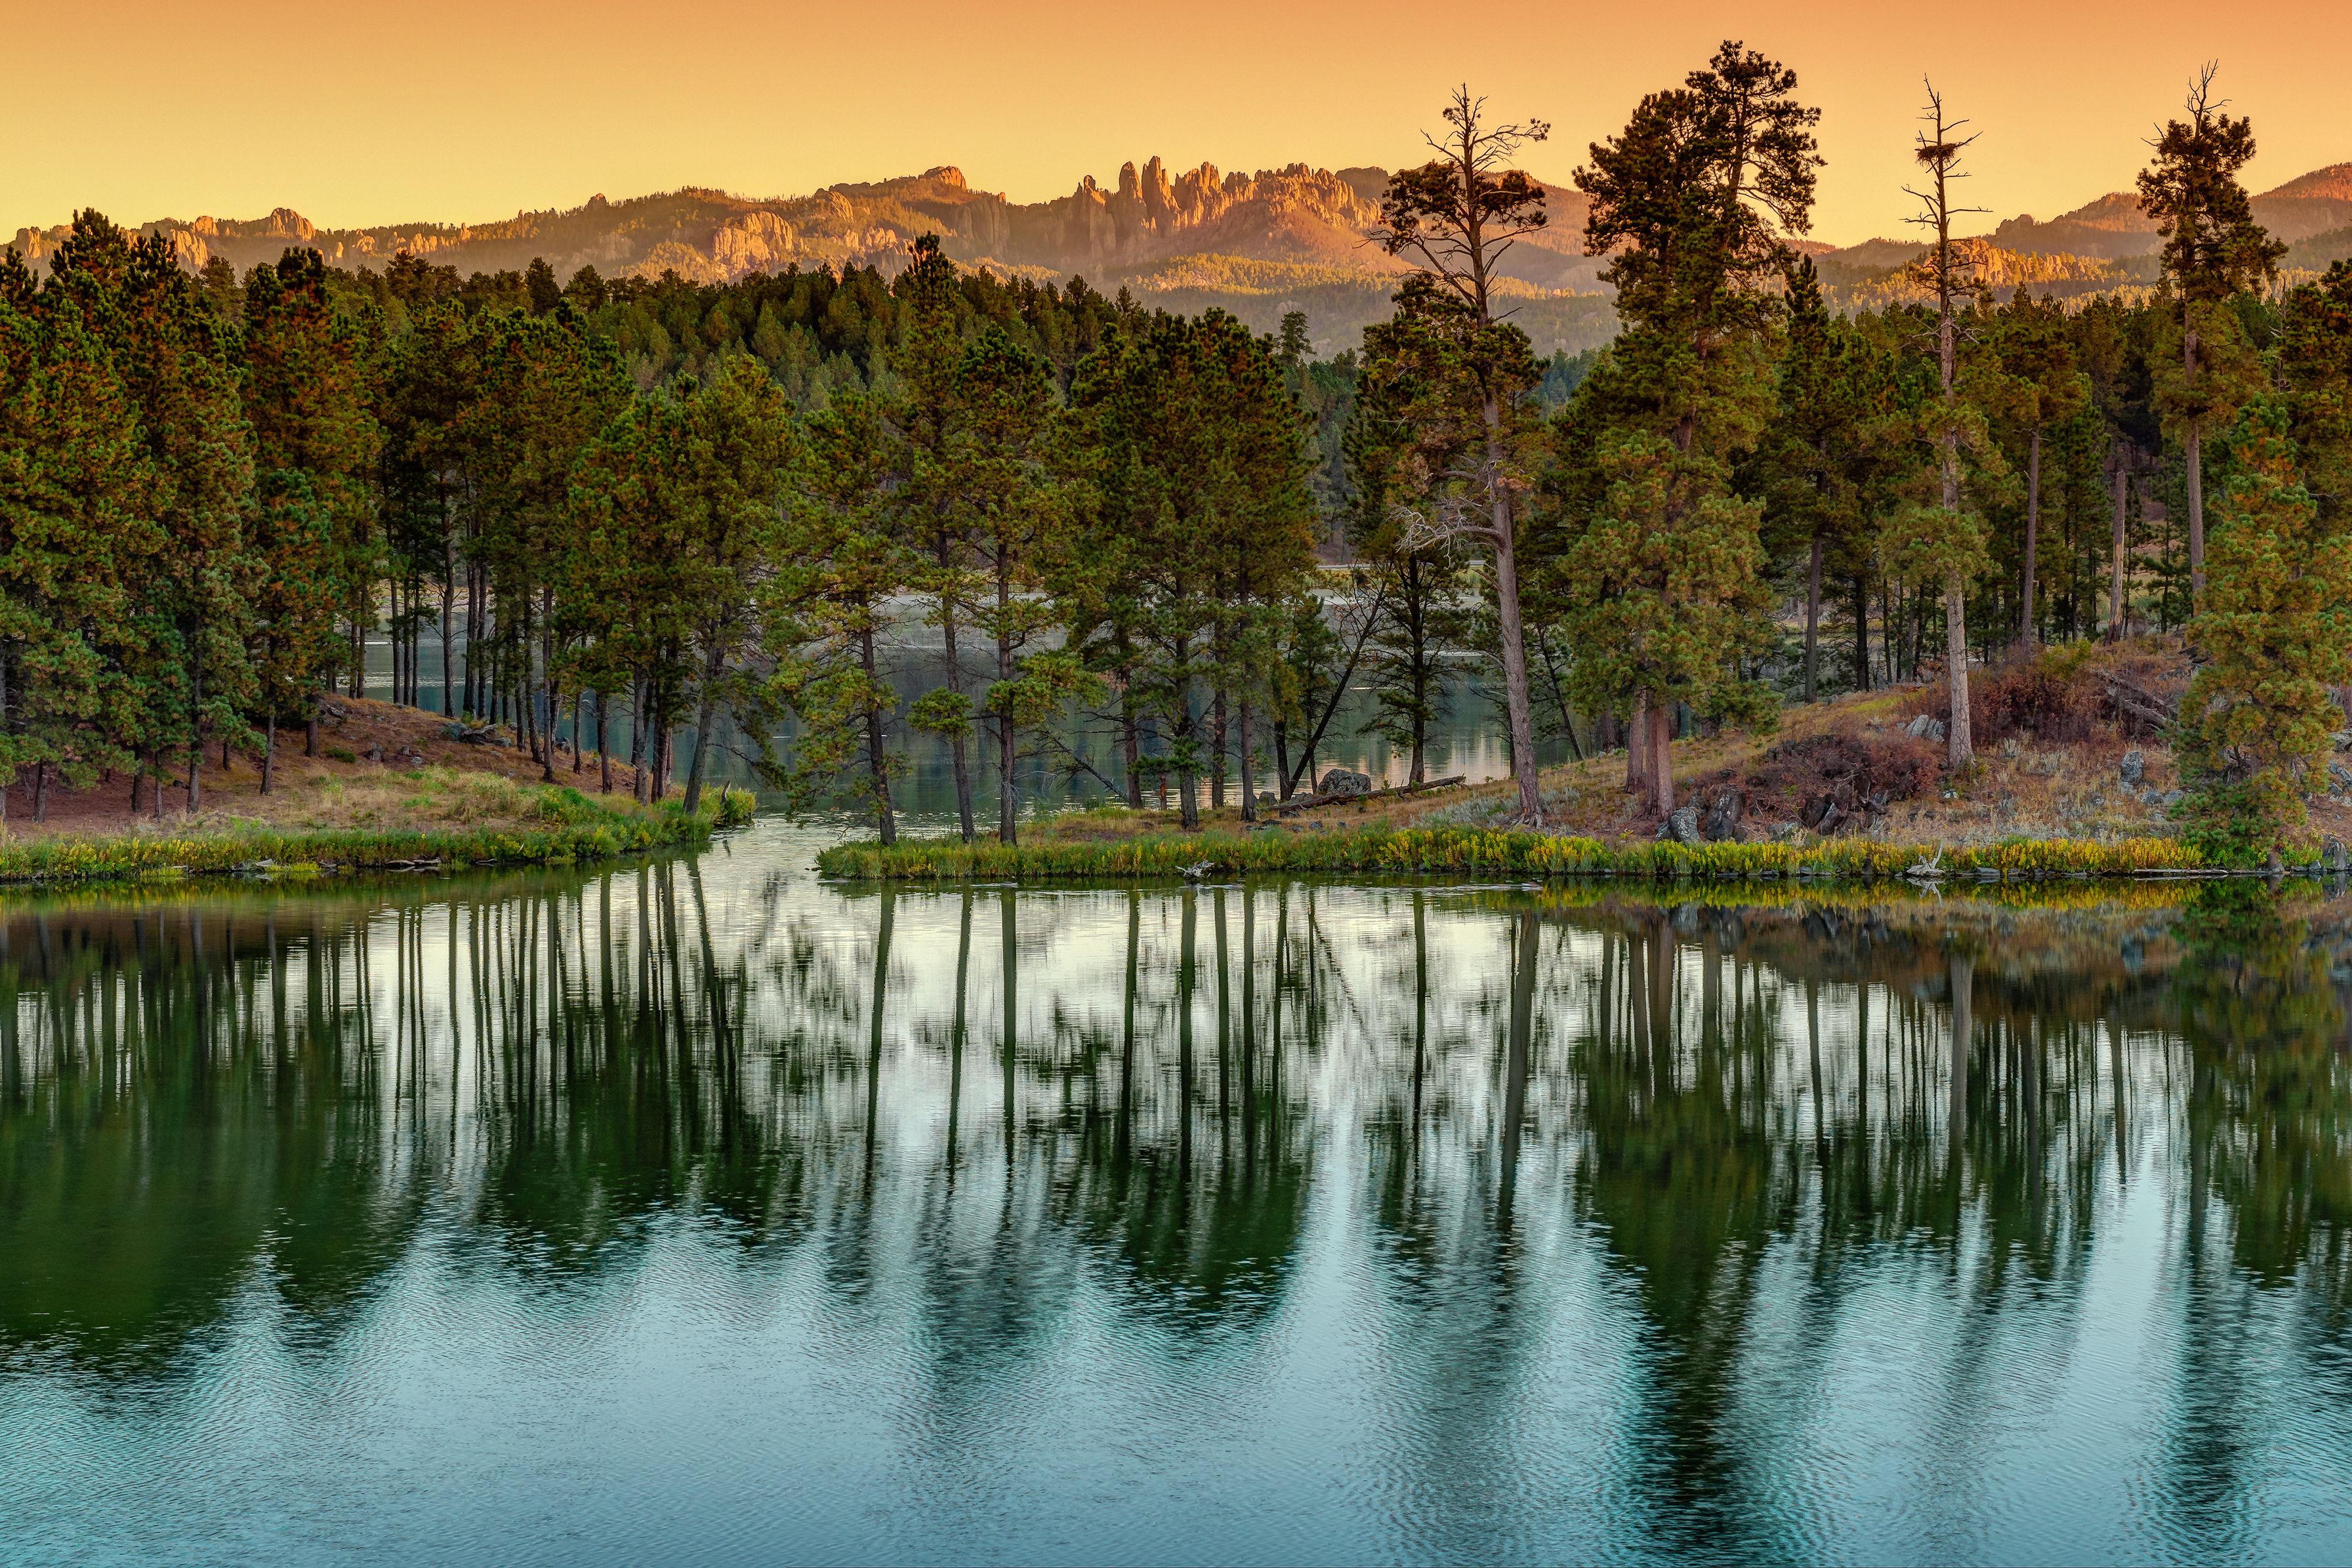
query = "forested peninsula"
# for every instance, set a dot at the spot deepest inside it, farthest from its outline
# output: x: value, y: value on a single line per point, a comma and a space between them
x: 1798, y: 580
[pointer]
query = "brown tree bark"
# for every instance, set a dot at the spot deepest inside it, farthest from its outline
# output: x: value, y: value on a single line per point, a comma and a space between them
x: 886, y: 820
x: 2025, y: 634
x: 2196, y: 445
x: 1813, y: 615
x: 2115, y: 558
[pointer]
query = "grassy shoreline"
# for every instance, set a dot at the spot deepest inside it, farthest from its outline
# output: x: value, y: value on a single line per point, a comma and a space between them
x: 574, y: 827
x: 1488, y: 852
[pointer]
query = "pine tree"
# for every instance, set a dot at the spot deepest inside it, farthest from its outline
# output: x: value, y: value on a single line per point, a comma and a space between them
x: 2212, y: 248
x: 2041, y: 387
x: 737, y: 449
x: 1457, y: 215
x: 1015, y: 514
x: 841, y: 565
x: 1693, y: 201
x: 1669, y: 596
x: 2275, y: 635
x: 926, y: 417
x: 1815, y: 463
x: 83, y: 676
x: 309, y: 395
x: 1942, y: 545
x: 2314, y: 366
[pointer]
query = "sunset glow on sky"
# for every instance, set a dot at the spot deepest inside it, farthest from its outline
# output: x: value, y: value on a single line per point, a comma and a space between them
x: 434, y: 111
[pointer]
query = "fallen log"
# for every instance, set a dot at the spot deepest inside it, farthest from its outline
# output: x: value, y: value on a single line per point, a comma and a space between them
x: 1309, y: 802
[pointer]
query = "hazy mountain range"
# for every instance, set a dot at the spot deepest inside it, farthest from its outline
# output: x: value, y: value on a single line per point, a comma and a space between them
x: 1254, y: 243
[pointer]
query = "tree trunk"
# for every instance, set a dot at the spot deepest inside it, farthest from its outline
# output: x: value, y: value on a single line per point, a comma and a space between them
x: 1217, y: 749
x: 473, y: 640
x: 1249, y: 786
x: 1008, y: 805
x: 1516, y: 704
x: 1188, y: 728
x: 1558, y: 702
x: 197, y: 723
x: 449, y: 636
x: 1130, y: 744
x: 885, y: 821
x: 2196, y: 476
x: 1861, y: 633
x: 1813, y: 615
x: 269, y: 751
x: 956, y: 742
x: 41, y: 791
x: 547, y: 672
x: 1961, y: 749
x: 1416, y: 626
x: 603, y: 752
x: 2115, y: 560
x: 579, y: 728
x: 1662, y: 762
x: 637, y: 738
x: 1282, y: 759
x: 701, y: 735
x: 2025, y: 635
x: 1638, y: 749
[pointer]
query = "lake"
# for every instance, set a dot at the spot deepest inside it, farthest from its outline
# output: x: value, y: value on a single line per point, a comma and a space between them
x: 693, y: 1209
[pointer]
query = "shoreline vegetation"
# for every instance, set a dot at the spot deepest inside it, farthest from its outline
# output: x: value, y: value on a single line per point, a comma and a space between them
x: 1518, y: 852
x: 391, y: 788
x: 575, y: 828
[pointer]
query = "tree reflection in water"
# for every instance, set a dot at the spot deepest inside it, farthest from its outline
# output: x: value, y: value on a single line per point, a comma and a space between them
x: 1736, y: 1122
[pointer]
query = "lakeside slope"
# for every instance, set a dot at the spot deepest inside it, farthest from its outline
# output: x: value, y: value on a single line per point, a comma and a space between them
x: 389, y: 789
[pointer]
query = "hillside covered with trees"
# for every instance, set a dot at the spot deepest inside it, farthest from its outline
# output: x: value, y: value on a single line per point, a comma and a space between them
x: 695, y: 500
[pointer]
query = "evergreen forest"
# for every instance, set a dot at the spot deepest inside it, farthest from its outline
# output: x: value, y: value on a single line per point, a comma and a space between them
x: 649, y: 514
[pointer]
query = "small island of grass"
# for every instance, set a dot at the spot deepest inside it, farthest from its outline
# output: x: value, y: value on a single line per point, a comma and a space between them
x: 390, y: 789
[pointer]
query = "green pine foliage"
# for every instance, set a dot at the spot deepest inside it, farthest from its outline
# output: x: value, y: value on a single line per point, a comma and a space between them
x: 2275, y: 633
x: 677, y: 519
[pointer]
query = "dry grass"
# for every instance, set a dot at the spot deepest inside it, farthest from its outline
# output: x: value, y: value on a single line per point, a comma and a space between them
x: 2025, y: 785
x: 424, y: 780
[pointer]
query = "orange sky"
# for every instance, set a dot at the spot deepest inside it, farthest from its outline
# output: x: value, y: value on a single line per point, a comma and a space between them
x: 433, y: 109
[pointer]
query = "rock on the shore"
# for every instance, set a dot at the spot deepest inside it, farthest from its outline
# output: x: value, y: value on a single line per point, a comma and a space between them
x: 2134, y: 768
x: 1722, y: 823
x: 1345, y: 781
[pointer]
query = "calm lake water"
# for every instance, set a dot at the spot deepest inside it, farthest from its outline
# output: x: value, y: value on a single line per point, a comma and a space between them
x: 696, y: 1210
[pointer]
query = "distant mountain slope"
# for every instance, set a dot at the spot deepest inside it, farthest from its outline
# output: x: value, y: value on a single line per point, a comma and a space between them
x: 1188, y: 238
x: 1292, y: 214
x: 2112, y: 227
x: 1249, y: 242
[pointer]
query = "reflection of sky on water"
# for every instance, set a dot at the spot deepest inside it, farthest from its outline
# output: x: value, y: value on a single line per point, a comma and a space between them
x: 699, y: 1209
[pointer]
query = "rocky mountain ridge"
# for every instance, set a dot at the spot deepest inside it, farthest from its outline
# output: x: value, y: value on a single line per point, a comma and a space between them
x: 1254, y: 243
x: 1148, y: 216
